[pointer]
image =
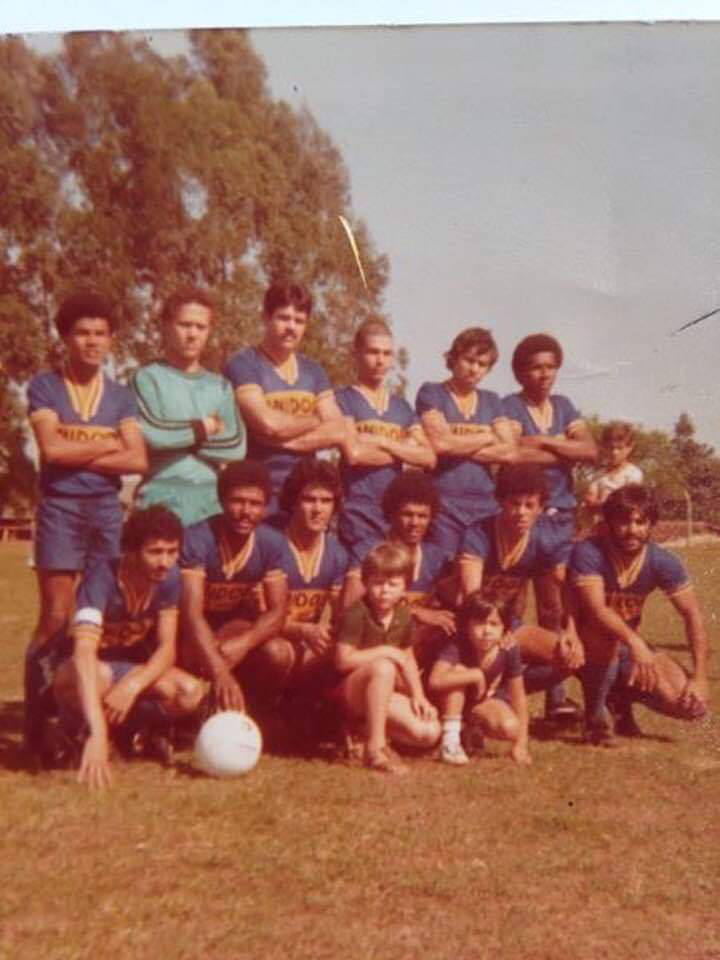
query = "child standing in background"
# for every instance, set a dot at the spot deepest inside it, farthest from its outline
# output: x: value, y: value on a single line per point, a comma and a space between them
x: 616, y: 448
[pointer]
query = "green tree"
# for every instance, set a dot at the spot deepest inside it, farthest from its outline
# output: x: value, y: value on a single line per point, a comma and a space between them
x: 136, y: 173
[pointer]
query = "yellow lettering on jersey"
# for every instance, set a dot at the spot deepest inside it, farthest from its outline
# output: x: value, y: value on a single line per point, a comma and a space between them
x: 470, y: 429
x: 500, y: 589
x: 126, y: 633
x: 629, y: 606
x: 82, y: 434
x: 299, y: 403
x: 377, y: 428
x: 224, y: 597
x: 305, y: 606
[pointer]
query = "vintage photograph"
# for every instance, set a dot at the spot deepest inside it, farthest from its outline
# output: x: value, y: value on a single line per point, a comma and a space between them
x: 360, y: 492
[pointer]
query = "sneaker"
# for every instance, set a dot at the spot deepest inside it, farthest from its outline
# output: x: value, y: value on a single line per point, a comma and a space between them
x: 384, y: 761
x: 453, y: 754
x: 567, y: 711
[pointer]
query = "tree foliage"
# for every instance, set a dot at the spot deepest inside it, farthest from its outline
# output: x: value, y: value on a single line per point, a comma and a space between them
x: 135, y: 173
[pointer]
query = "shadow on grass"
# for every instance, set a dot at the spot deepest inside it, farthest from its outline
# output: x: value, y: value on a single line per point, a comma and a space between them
x: 571, y: 734
x: 11, y: 725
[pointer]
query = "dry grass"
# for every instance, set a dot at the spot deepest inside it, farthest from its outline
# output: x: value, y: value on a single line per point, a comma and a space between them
x: 589, y: 853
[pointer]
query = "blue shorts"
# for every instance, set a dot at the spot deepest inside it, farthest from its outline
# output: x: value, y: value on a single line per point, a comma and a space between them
x: 361, y: 522
x: 454, y: 517
x: 73, y: 533
x: 119, y: 668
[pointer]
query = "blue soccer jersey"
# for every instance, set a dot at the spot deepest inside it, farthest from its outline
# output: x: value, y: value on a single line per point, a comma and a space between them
x: 506, y: 665
x: 627, y: 581
x: 507, y: 567
x: 84, y: 413
x: 563, y: 422
x: 125, y: 620
x: 314, y: 579
x: 306, y: 383
x: 233, y: 580
x: 432, y: 566
x: 460, y: 478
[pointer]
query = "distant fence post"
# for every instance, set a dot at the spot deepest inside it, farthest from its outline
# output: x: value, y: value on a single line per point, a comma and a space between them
x: 688, y: 514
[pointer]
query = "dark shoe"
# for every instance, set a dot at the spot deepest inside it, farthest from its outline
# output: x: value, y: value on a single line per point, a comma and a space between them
x: 567, y: 711
x: 600, y: 734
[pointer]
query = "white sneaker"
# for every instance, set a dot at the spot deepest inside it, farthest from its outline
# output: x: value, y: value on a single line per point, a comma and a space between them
x: 454, y: 754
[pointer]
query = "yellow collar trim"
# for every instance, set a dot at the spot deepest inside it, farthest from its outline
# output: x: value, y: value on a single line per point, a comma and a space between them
x: 308, y: 561
x: 627, y: 570
x: 232, y: 563
x: 84, y: 397
x: 136, y: 599
x: 378, y: 399
x: 287, y: 370
x: 541, y: 415
x: 466, y: 404
x: 509, y: 552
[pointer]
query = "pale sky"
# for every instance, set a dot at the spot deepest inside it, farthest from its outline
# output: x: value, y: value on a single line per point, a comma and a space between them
x: 525, y: 178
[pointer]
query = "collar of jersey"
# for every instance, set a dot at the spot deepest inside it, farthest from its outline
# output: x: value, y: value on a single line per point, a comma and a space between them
x: 308, y: 561
x: 287, y: 370
x: 84, y: 397
x: 509, y: 552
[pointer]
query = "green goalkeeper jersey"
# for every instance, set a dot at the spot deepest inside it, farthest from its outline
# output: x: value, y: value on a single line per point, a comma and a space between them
x: 184, y: 463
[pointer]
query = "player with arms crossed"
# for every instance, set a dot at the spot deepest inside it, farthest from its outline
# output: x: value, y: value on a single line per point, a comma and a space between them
x: 123, y: 642
x: 611, y: 575
x: 501, y: 555
x: 469, y: 432
x: 479, y: 674
x: 229, y: 633
x: 285, y: 399
x: 188, y: 414
x: 375, y: 652
x: 87, y: 434
x: 389, y: 436
x: 551, y: 434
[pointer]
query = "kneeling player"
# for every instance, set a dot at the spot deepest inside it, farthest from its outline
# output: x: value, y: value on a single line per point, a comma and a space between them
x: 611, y: 576
x: 479, y: 675
x: 234, y: 598
x: 123, y: 638
x: 375, y: 651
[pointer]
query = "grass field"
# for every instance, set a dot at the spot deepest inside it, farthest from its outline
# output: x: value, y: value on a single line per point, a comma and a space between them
x: 588, y: 854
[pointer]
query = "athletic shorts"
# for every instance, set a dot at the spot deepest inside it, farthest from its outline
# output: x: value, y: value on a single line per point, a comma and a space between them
x: 73, y: 533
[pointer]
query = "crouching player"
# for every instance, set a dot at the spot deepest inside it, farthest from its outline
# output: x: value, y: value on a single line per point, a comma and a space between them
x: 611, y: 576
x: 234, y: 595
x: 375, y: 652
x: 123, y: 642
x: 480, y: 675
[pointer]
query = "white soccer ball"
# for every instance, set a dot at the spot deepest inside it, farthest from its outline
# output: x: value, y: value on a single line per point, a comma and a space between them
x: 228, y: 744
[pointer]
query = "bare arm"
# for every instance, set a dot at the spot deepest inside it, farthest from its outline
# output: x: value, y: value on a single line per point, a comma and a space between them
x: 577, y: 447
x: 414, y: 449
x: 95, y: 761
x: 56, y: 449
x: 269, y: 624
x: 273, y: 426
x: 447, y: 444
x: 198, y: 633
x: 446, y: 676
x: 349, y: 658
x: 130, y: 458
x: 686, y: 603
x: 503, y: 449
x: 470, y: 568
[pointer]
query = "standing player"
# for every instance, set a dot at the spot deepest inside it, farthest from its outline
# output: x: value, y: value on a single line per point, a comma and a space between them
x: 551, y: 434
x: 124, y: 641
x: 86, y: 430
x: 375, y: 652
x: 188, y: 414
x: 499, y: 556
x: 231, y: 634
x: 611, y: 576
x: 285, y: 399
x: 469, y: 432
x: 389, y: 436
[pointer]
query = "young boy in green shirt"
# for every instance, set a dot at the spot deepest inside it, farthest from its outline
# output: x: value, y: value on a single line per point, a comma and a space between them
x: 375, y: 652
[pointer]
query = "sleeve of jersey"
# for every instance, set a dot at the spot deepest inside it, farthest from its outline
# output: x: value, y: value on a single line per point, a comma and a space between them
x: 474, y: 545
x: 277, y: 561
x: 670, y: 574
x: 41, y: 402
x: 513, y: 664
x: 193, y: 557
x: 92, y: 597
x: 168, y: 595
x: 556, y: 549
x: 510, y: 411
x: 241, y: 371
x: 160, y: 431
x: 230, y: 443
x: 571, y: 416
x: 321, y: 384
x: 585, y: 563
x: 426, y: 399
x: 128, y: 408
